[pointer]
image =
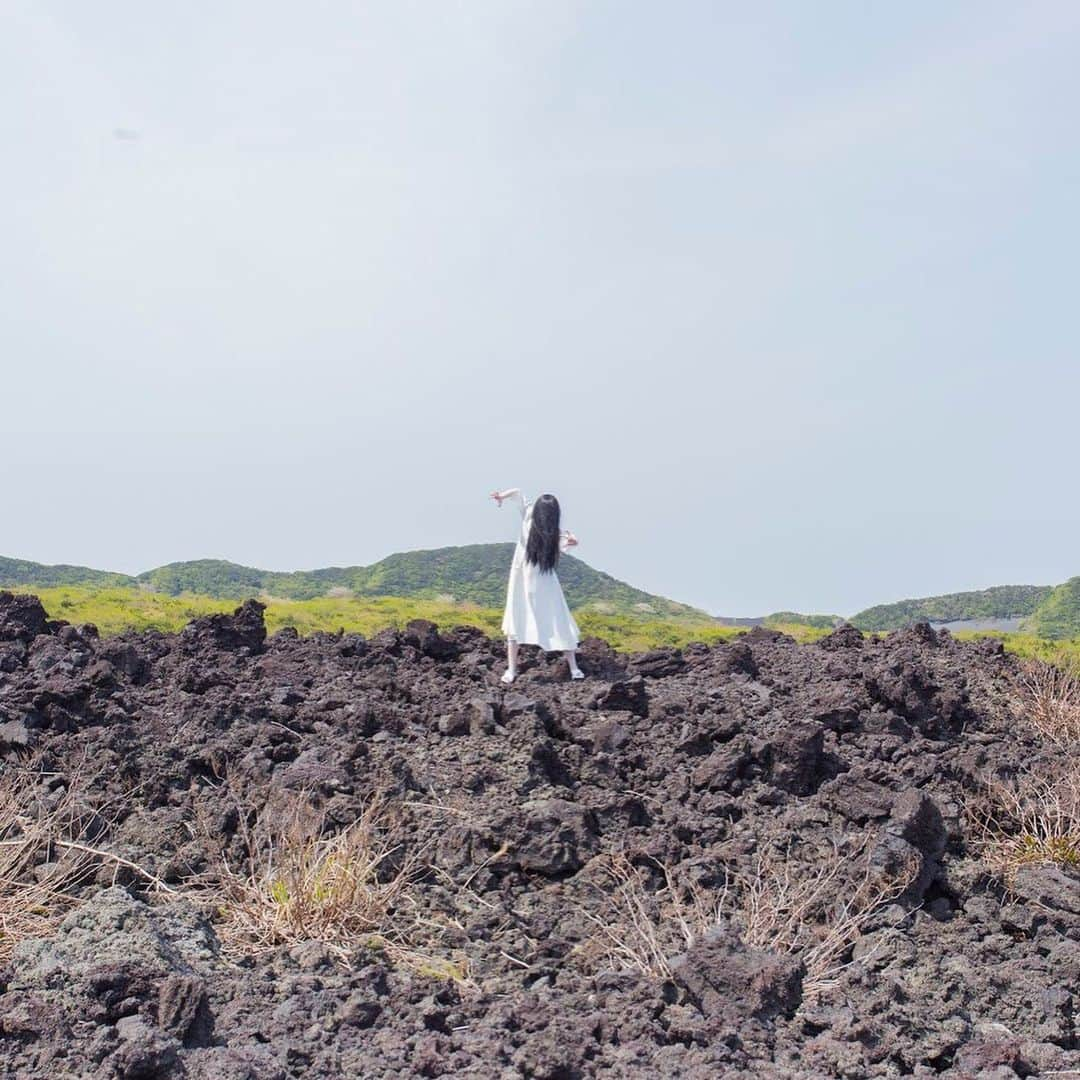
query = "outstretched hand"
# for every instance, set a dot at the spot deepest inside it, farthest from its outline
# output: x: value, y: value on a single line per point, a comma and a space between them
x: 498, y: 497
x: 571, y: 540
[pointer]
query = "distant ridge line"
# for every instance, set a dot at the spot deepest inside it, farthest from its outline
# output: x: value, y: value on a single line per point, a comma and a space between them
x: 473, y: 573
x: 476, y: 574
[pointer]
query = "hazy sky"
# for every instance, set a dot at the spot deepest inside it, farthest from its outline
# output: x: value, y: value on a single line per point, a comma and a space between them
x: 779, y: 298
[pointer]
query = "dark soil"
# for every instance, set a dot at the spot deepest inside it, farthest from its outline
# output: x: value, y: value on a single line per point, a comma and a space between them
x: 700, y: 761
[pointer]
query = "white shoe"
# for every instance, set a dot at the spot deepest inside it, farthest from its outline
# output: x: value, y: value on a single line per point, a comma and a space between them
x: 508, y: 676
x: 575, y: 675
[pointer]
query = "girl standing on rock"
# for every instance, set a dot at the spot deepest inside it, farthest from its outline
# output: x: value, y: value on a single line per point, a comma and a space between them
x: 536, y: 611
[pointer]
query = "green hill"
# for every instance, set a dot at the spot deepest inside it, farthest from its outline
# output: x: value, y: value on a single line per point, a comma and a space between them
x: 21, y: 572
x: 474, y: 574
x: 795, y: 618
x: 1058, y: 616
x: 206, y: 577
x: 1000, y: 602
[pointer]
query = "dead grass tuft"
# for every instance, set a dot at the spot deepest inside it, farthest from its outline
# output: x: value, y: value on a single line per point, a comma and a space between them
x: 637, y: 928
x: 820, y: 911
x: 816, y: 912
x: 1049, y: 696
x: 42, y: 857
x: 353, y: 891
x: 1034, y: 820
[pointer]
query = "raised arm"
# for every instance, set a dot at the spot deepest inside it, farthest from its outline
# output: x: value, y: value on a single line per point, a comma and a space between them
x: 510, y: 493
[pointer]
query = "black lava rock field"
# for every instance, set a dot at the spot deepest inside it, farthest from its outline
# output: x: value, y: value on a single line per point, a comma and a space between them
x: 240, y: 857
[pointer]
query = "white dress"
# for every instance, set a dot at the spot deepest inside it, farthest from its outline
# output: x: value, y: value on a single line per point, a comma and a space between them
x: 536, y: 611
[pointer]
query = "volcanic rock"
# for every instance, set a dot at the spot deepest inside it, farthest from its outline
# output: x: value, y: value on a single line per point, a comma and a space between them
x: 507, y: 811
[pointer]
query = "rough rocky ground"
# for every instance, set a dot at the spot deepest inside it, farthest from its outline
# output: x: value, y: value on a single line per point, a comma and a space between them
x: 702, y: 761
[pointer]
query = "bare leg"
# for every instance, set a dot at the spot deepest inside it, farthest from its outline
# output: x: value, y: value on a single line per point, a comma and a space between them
x: 571, y: 659
x: 511, y: 661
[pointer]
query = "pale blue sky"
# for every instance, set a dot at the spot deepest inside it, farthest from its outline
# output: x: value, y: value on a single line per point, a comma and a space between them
x: 779, y: 298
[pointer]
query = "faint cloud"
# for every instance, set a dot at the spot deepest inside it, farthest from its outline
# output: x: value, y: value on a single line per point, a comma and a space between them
x: 126, y: 135
x: 944, y: 93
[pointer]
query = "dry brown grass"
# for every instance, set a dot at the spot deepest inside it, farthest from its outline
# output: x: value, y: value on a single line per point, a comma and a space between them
x: 814, y: 911
x: 818, y: 911
x: 1031, y: 821
x: 1049, y: 697
x: 1034, y: 818
x: 354, y: 891
x: 45, y: 853
x: 640, y: 929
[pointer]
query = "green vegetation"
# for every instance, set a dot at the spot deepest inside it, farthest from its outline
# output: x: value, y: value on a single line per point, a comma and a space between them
x: 206, y: 577
x: 803, y: 633
x: 1058, y: 616
x: 636, y: 635
x: 474, y: 574
x: 786, y: 619
x: 1049, y: 613
x: 21, y: 572
x: 469, y: 584
x: 1063, y: 654
x: 116, y: 609
x: 1001, y: 602
x: 113, y: 610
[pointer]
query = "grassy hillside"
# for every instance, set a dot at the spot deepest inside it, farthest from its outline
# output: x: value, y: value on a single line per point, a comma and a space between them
x: 785, y: 619
x: 1064, y: 653
x: 205, y: 577
x: 115, y: 609
x: 227, y: 580
x: 1058, y: 616
x: 112, y: 610
x: 1001, y: 602
x: 473, y: 574
x: 21, y: 572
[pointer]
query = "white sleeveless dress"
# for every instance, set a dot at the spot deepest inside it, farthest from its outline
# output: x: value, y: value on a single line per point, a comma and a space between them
x: 536, y: 611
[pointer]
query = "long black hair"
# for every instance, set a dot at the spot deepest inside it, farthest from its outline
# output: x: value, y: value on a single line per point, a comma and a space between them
x: 543, y: 547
